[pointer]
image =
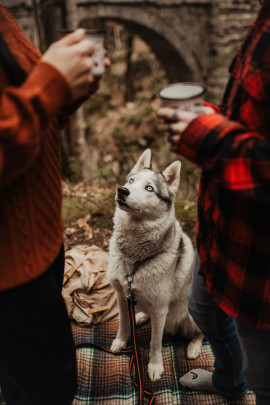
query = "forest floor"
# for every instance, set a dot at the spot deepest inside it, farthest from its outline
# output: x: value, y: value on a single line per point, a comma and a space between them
x: 88, y: 215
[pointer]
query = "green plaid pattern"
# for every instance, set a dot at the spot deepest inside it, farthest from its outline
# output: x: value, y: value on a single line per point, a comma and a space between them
x: 104, y: 378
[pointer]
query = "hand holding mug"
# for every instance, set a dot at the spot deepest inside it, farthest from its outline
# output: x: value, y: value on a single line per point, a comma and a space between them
x: 73, y: 57
x: 181, y: 104
x: 175, y: 122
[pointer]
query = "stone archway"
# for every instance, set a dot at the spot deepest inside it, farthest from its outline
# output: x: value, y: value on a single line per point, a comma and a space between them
x: 192, y: 39
x: 182, y: 56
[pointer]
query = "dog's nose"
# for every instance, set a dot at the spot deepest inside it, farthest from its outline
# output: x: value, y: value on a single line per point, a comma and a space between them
x: 123, y: 191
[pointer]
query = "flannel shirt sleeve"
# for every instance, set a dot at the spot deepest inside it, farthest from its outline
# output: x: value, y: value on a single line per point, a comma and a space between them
x: 239, y: 160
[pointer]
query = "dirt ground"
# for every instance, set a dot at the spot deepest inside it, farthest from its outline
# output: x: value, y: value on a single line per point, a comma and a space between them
x: 88, y: 215
x: 83, y: 231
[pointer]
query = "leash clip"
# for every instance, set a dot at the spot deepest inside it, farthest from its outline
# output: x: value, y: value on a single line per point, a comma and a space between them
x: 129, y: 279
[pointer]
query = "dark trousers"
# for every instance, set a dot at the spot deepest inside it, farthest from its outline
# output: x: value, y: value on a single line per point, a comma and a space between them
x: 37, y: 353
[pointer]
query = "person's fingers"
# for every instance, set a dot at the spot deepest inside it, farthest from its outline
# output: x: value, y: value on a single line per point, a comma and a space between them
x: 86, y: 48
x: 84, y: 74
x: 172, y: 128
x: 176, y: 115
x: 89, y: 63
x: 173, y: 138
x: 208, y: 110
x: 73, y: 37
x: 107, y: 62
x: 164, y: 111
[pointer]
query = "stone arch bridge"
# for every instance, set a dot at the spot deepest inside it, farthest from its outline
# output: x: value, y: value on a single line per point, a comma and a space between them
x: 194, y: 40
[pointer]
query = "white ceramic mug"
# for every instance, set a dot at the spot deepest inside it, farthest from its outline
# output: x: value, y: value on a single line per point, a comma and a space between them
x: 186, y: 96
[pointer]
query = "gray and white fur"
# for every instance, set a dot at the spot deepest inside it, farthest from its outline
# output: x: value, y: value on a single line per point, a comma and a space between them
x: 148, y: 243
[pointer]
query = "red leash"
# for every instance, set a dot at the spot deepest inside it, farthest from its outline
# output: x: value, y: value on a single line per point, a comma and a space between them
x: 134, y: 355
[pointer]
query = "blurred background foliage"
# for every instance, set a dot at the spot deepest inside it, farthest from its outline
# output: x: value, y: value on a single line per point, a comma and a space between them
x: 120, y: 119
x: 110, y: 131
x: 120, y: 123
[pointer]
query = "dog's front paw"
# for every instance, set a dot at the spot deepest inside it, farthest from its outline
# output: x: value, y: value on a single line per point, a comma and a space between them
x: 155, y: 371
x: 118, y: 345
x: 194, y: 349
x: 141, y: 318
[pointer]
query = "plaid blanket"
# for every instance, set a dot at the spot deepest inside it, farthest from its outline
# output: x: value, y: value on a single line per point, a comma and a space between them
x: 104, y: 378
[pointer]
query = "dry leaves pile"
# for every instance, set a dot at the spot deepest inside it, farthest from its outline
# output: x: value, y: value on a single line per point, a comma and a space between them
x: 84, y: 229
x: 82, y: 232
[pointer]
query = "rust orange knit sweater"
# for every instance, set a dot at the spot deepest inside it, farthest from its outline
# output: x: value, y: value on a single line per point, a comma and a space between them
x: 31, y: 226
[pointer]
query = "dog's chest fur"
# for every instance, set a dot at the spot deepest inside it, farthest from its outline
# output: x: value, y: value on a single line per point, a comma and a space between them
x: 143, y: 251
x: 141, y: 243
x: 137, y: 241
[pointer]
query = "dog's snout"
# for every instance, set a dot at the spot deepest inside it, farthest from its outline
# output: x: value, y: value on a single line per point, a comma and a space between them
x: 123, y: 191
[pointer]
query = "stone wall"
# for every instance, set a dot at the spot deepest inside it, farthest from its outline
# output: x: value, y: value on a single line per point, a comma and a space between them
x: 230, y: 20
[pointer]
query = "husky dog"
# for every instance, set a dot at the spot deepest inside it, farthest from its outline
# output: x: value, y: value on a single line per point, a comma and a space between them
x: 149, y: 245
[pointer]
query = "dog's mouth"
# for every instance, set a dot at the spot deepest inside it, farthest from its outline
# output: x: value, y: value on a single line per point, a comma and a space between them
x: 121, y: 202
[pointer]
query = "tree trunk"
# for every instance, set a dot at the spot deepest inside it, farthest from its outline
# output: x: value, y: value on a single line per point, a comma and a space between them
x: 80, y: 154
x: 129, y: 93
x: 39, y: 25
x: 49, y: 18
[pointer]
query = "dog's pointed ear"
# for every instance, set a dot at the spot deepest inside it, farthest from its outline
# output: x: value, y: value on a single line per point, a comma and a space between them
x: 144, y: 161
x: 172, y: 176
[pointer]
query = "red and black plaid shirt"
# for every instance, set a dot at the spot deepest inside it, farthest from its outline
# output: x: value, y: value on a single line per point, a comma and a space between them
x: 233, y: 148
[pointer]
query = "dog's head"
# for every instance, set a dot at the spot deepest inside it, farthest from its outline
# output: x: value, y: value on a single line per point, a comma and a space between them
x: 148, y: 193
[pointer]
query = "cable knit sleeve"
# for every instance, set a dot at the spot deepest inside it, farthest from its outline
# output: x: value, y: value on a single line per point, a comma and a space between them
x: 25, y: 114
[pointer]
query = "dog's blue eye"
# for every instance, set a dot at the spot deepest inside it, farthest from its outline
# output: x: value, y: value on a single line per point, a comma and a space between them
x: 131, y: 180
x: 149, y: 188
